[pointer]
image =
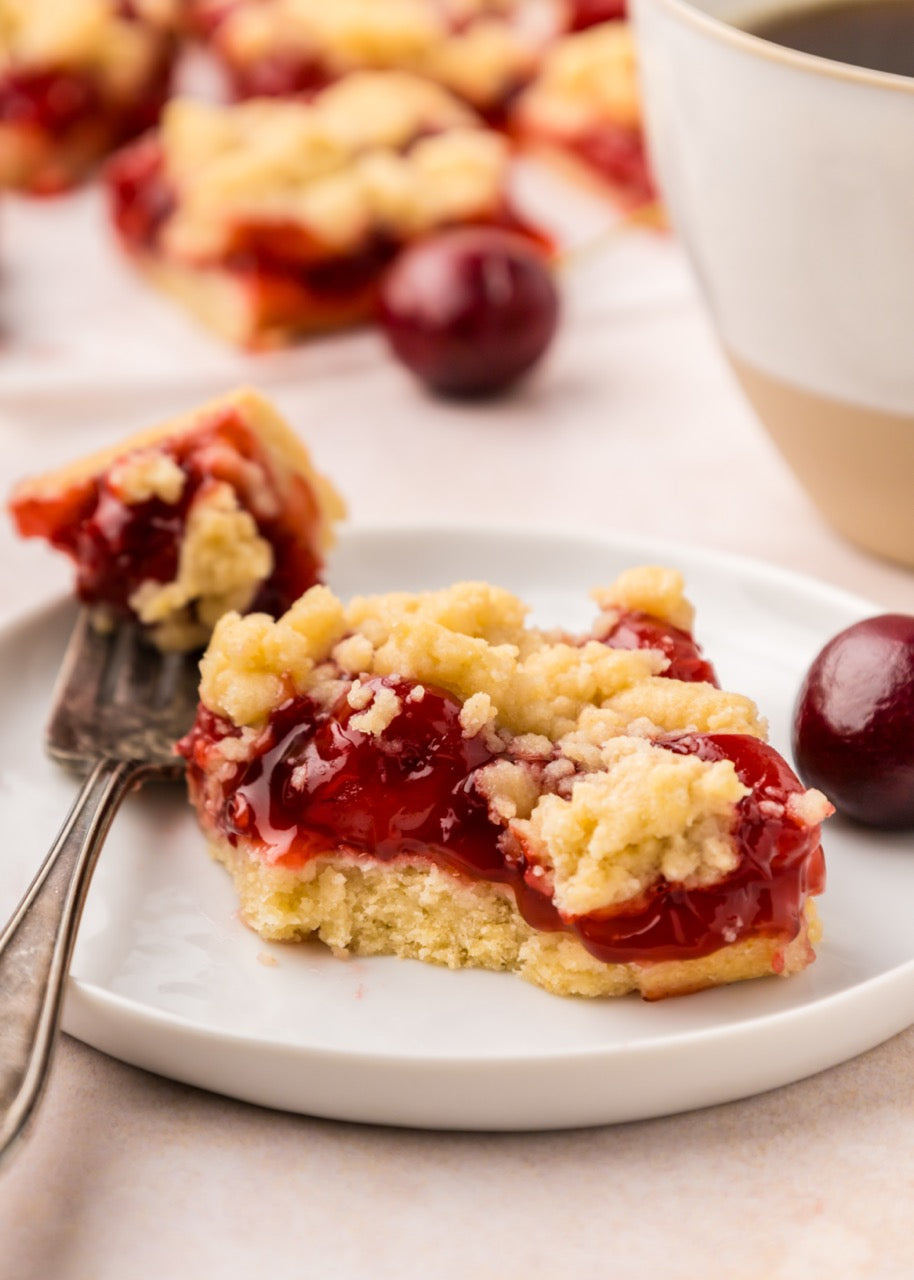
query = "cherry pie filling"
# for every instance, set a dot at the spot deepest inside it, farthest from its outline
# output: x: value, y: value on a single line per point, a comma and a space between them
x: 289, y: 276
x: 317, y: 784
x: 582, y: 14
x: 67, y: 108
x: 618, y: 153
x: 635, y: 629
x: 117, y: 545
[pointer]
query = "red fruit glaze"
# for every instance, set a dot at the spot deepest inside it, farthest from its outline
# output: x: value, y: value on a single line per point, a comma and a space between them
x: 588, y: 13
x: 116, y: 546
x: 47, y: 99
x: 637, y: 630
x: 617, y: 152
x: 68, y: 114
x: 141, y: 199
x: 853, y: 733
x: 318, y: 784
x: 470, y: 311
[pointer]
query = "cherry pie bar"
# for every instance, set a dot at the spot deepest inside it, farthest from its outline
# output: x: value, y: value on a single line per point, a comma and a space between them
x: 221, y: 509
x: 77, y: 78
x: 585, y: 108
x: 427, y: 776
x: 478, y: 49
x: 273, y: 218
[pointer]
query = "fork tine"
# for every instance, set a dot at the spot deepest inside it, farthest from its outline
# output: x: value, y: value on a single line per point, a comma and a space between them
x: 119, y: 697
x: 178, y: 680
x: 85, y: 659
x: 133, y: 672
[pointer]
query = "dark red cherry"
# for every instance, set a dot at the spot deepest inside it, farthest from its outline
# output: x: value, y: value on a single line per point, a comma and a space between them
x: 853, y: 734
x: 471, y: 310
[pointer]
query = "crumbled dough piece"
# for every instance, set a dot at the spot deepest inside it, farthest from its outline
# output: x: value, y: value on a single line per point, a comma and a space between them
x: 335, y: 166
x: 91, y: 34
x: 252, y: 661
x: 648, y: 813
x: 383, y: 709
x: 651, y: 589
x: 587, y: 77
x: 476, y: 53
x: 148, y: 473
x: 223, y: 561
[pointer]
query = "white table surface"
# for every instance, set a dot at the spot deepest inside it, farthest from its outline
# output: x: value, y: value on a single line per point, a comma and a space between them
x: 636, y: 425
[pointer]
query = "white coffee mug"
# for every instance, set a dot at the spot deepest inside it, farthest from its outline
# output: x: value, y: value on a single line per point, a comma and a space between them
x: 790, y: 181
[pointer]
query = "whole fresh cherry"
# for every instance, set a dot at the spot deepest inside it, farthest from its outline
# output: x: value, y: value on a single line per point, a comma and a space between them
x: 853, y: 732
x: 469, y: 311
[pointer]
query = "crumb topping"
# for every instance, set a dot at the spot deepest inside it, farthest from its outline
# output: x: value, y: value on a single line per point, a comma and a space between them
x: 650, y: 589
x: 646, y: 813
x: 223, y: 561
x: 383, y: 708
x: 470, y: 640
x: 588, y: 77
x: 148, y: 473
x: 471, y: 48
x: 809, y: 807
x: 91, y: 34
x: 337, y: 166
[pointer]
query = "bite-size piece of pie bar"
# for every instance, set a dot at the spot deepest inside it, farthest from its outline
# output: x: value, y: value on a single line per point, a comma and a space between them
x: 584, y: 109
x: 478, y: 49
x: 427, y: 776
x: 218, y: 510
x: 274, y: 218
x: 78, y: 78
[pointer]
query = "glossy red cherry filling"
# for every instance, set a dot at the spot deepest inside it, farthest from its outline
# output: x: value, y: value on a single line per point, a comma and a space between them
x: 582, y: 14
x: 72, y: 119
x: 318, y: 784
x: 634, y: 629
x: 617, y: 152
x: 47, y: 99
x: 116, y: 545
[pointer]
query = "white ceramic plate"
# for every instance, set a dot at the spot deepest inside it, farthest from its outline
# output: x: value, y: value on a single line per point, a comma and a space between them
x: 166, y: 977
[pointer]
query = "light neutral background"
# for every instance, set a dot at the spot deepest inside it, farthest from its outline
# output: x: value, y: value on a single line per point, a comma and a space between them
x: 633, y: 425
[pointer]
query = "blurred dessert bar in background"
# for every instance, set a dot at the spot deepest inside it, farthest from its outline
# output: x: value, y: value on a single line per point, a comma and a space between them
x: 273, y: 218
x: 481, y: 50
x: 584, y: 109
x: 77, y: 78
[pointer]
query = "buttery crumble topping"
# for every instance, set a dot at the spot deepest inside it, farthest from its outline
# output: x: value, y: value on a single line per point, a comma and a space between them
x: 222, y: 563
x: 471, y: 640
x: 473, y: 49
x: 336, y: 166
x: 587, y: 77
x: 85, y: 33
x: 146, y: 474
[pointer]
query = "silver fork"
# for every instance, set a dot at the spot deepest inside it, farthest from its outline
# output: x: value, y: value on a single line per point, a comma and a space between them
x: 118, y: 708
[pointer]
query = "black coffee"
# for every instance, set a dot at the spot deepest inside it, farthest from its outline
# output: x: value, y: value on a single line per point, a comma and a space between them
x: 878, y: 34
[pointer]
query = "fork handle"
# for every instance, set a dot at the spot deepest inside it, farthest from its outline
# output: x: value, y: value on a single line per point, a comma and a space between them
x: 37, y: 944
